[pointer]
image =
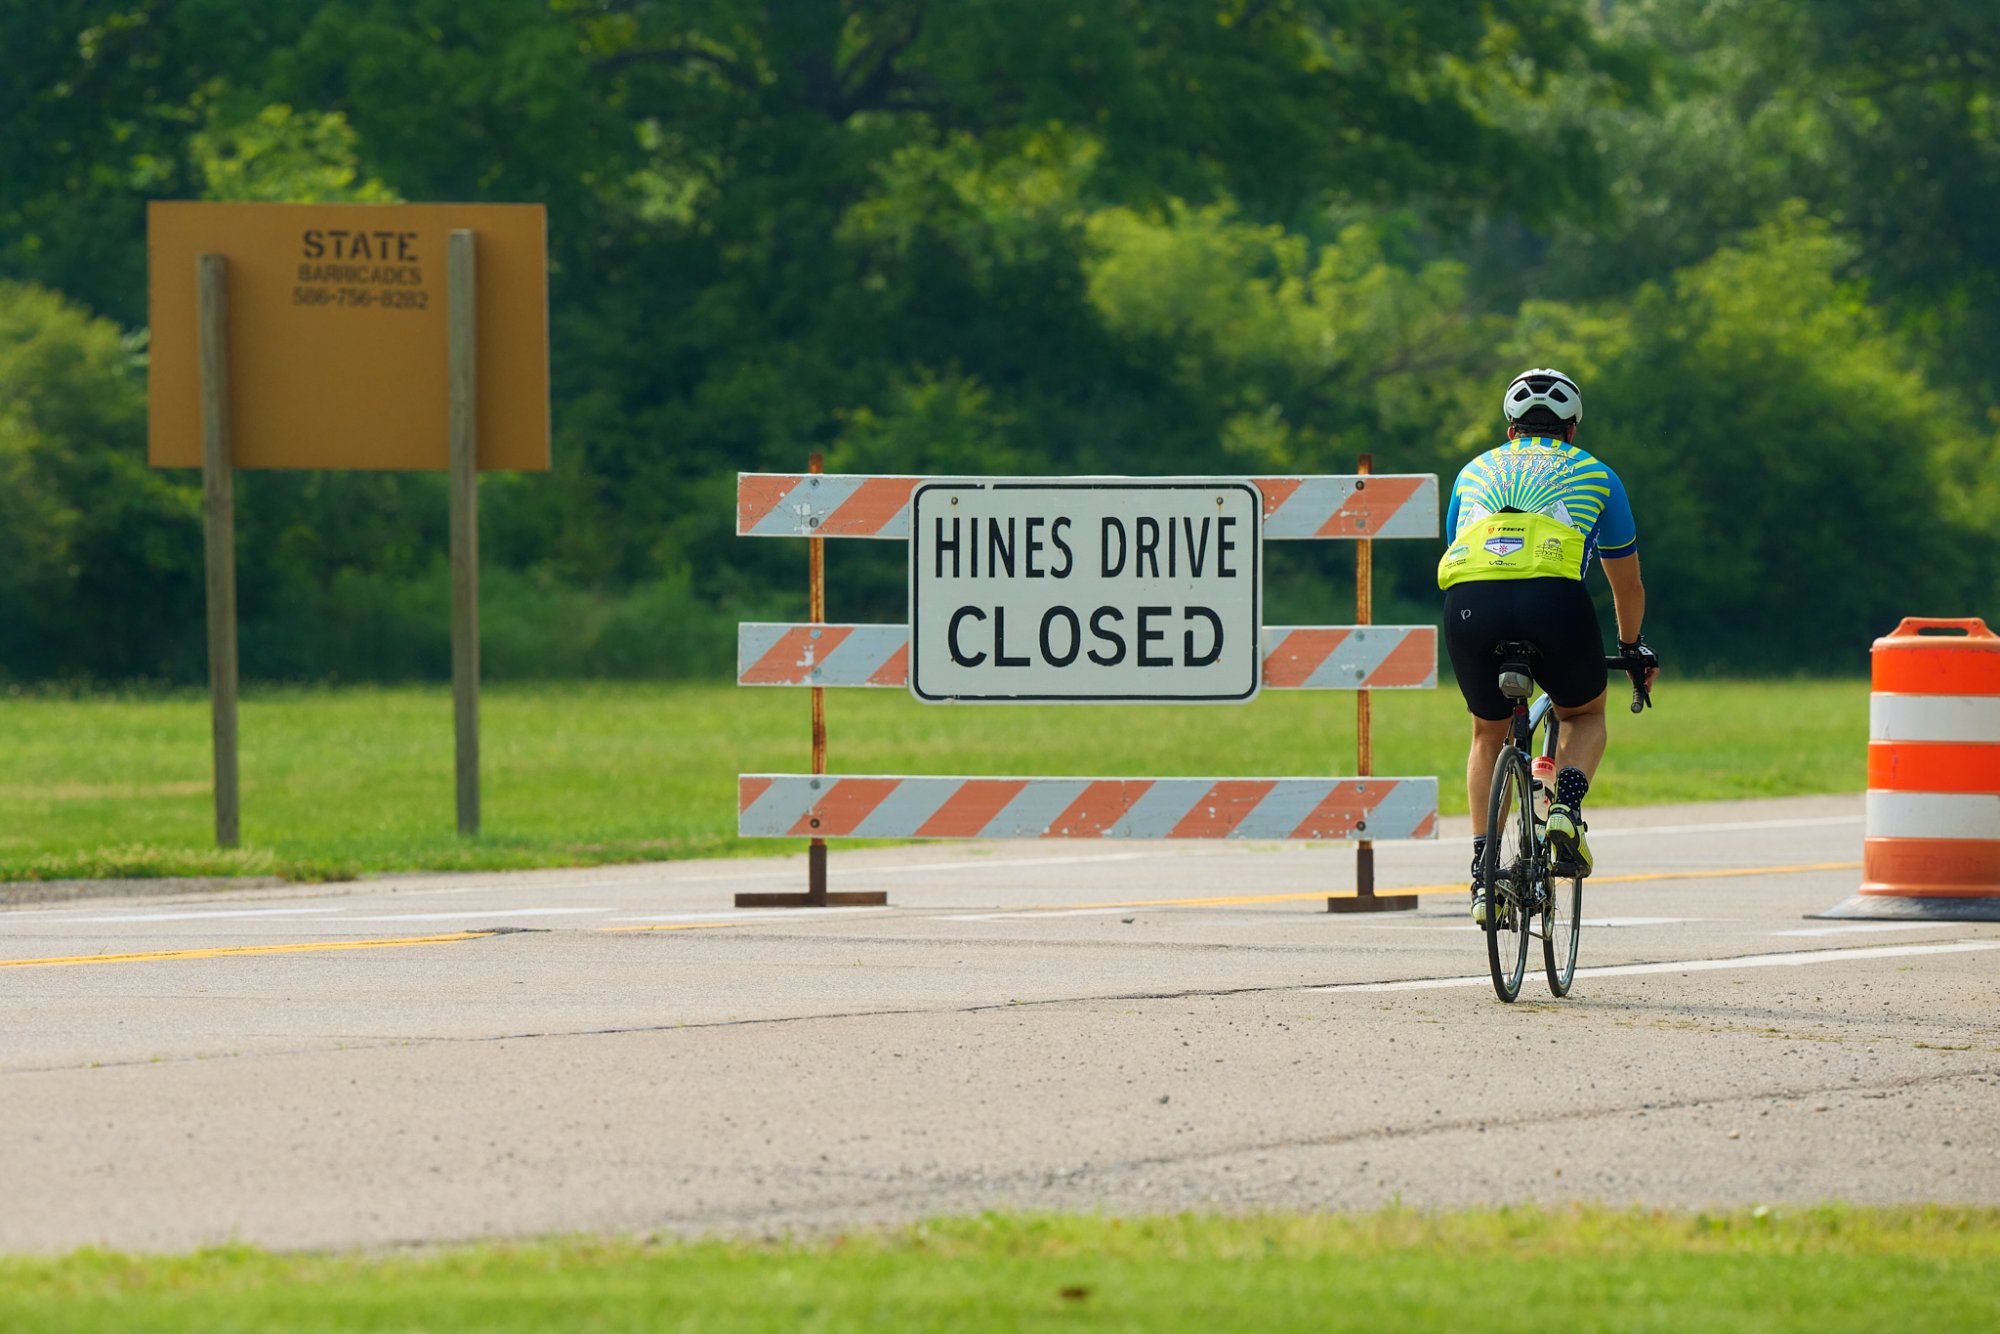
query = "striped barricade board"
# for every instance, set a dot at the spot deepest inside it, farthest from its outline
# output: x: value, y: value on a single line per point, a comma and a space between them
x: 1296, y: 657
x: 1350, y: 657
x: 776, y: 654
x: 1295, y: 508
x: 834, y: 806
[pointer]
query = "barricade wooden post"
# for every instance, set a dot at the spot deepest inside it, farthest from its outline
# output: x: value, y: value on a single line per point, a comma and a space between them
x: 218, y: 511
x: 817, y: 895
x: 1364, y: 898
x: 816, y: 613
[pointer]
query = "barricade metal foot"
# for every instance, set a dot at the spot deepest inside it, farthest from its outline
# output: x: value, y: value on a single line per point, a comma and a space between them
x: 846, y: 898
x: 1364, y: 898
x: 817, y: 895
x: 1371, y: 902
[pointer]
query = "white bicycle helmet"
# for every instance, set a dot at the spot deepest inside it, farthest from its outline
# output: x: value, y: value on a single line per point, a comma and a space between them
x: 1543, y: 388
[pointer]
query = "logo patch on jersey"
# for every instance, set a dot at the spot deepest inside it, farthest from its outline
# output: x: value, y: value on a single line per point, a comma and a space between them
x: 1505, y: 546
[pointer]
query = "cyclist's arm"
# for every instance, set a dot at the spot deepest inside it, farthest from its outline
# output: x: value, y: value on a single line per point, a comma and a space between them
x: 1628, y: 594
x: 1628, y: 597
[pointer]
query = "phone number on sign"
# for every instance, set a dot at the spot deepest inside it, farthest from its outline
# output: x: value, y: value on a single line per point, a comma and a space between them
x: 362, y: 297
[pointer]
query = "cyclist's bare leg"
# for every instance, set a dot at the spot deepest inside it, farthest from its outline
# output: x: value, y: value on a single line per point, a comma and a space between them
x: 1581, y: 746
x: 1488, y: 735
x: 1581, y: 743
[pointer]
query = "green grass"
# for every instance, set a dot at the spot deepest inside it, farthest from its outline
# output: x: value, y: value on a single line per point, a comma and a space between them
x: 1820, y: 1269
x: 339, y: 781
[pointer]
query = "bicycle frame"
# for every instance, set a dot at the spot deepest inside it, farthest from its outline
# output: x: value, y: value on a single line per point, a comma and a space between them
x: 1542, y: 708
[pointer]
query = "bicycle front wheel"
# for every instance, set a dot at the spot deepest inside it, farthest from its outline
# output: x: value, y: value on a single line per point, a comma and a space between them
x: 1561, y: 921
x: 1508, y: 871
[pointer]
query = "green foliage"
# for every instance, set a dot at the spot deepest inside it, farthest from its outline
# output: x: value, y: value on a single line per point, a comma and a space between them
x: 1038, y: 236
x: 1800, y: 486
x: 1879, y: 113
x: 97, y: 552
x: 1297, y: 355
x: 282, y: 156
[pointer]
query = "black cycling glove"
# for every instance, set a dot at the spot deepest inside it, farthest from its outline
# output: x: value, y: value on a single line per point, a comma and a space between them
x: 1641, y: 659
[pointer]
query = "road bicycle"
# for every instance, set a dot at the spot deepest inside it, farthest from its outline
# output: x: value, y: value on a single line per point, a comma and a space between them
x: 1529, y: 892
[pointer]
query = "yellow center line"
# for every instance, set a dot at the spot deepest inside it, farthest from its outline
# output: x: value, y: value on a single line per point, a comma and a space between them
x: 308, y: 947
x: 1451, y: 889
x: 680, y: 926
x: 328, y: 946
x: 1716, y: 875
x: 1208, y: 902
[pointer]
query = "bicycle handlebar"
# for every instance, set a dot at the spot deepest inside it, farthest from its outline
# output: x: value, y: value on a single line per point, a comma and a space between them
x: 1641, y: 696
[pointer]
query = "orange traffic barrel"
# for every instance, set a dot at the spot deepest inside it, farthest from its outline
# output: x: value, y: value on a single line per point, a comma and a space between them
x: 1932, y: 848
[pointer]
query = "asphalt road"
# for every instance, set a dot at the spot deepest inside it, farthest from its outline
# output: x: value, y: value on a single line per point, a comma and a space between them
x: 1107, y: 1026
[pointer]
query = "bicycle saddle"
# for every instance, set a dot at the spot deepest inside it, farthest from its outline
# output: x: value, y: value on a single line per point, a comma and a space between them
x: 1517, y: 680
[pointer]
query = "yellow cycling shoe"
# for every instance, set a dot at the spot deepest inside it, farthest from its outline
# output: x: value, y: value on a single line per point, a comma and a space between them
x: 1572, y: 849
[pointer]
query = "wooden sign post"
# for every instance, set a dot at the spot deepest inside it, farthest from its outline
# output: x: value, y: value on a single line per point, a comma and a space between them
x: 464, y: 372
x: 347, y: 336
x: 218, y: 518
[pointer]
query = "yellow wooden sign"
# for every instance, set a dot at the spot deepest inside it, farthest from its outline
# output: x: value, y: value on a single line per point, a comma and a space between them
x: 337, y: 338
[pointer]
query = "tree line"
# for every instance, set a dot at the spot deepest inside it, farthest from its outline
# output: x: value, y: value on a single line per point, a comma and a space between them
x: 1032, y: 237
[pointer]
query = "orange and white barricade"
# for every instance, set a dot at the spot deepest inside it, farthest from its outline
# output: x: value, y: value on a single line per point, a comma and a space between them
x: 1933, y: 826
x: 819, y: 654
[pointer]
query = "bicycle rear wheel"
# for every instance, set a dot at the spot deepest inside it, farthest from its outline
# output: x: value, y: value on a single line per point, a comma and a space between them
x: 1508, y: 871
x: 1561, y: 923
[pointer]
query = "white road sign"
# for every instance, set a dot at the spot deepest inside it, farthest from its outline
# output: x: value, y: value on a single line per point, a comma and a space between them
x: 1086, y: 591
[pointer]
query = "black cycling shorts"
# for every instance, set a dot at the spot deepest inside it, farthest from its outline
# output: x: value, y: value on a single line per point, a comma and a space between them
x: 1554, y: 615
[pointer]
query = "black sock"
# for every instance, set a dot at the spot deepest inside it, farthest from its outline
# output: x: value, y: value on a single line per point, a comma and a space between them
x: 1571, y: 785
x: 1478, y: 851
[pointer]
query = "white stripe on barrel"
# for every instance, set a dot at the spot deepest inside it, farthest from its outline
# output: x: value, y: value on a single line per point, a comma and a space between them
x: 1954, y: 718
x: 1933, y: 815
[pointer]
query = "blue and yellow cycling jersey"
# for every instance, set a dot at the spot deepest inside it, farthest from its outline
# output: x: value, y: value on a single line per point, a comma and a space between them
x: 1534, y: 508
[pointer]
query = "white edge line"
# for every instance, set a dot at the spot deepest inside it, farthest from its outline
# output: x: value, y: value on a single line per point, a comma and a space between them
x: 1724, y: 826
x: 168, y: 915
x: 1793, y: 959
x: 390, y: 886
x: 787, y: 872
x: 475, y: 913
x: 1021, y: 913
x: 1857, y: 928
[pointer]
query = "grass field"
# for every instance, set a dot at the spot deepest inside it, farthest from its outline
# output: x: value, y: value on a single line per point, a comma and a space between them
x: 341, y: 781
x: 1820, y: 1269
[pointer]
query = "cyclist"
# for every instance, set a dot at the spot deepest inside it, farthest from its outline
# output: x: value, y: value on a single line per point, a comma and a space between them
x: 1525, y: 518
